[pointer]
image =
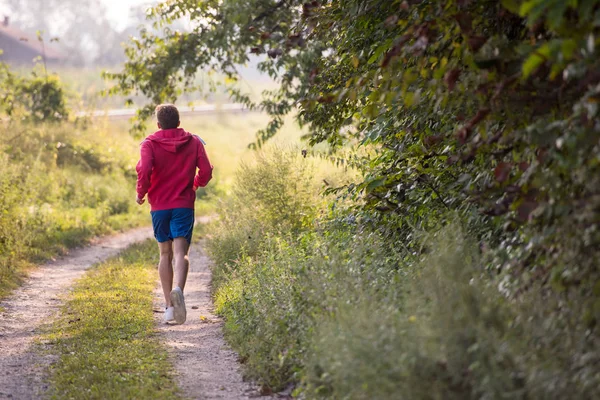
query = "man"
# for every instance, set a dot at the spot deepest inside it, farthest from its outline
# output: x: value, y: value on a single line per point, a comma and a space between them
x: 167, y: 173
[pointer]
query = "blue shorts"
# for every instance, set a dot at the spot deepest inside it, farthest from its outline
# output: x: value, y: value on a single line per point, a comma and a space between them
x: 173, y: 223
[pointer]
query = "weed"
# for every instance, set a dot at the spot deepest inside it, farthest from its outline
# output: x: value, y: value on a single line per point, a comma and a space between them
x: 340, y: 310
x: 60, y: 185
x: 105, y: 337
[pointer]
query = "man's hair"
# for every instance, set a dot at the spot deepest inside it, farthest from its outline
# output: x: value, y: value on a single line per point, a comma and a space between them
x: 167, y: 115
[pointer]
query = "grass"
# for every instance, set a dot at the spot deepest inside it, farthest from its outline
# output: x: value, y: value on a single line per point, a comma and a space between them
x: 61, y: 184
x: 315, y: 297
x: 105, y: 340
x: 64, y: 184
x: 258, y: 245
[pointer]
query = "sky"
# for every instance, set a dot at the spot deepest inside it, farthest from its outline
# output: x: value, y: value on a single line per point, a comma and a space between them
x: 118, y: 10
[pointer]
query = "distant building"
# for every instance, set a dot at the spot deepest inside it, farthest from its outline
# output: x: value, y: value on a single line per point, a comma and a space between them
x: 21, y: 48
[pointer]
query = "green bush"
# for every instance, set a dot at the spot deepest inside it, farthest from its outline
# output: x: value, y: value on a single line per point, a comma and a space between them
x: 48, y: 204
x: 260, y: 302
x: 455, y: 336
x: 37, y: 98
x: 273, y: 302
x: 276, y: 195
x: 340, y: 311
x: 271, y: 279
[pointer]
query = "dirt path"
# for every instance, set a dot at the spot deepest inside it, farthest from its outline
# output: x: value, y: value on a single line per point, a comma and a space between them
x: 35, y: 304
x: 206, y: 367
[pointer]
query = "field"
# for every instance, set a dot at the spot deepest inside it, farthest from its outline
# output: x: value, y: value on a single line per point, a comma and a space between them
x: 64, y: 183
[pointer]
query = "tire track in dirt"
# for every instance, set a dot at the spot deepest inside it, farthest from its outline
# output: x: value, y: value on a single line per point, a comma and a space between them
x: 35, y: 304
x: 206, y: 367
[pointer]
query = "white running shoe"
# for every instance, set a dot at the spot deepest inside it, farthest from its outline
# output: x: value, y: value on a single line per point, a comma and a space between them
x: 178, y: 305
x: 169, y: 315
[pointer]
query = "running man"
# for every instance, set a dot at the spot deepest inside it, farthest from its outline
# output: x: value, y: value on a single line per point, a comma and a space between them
x: 167, y: 173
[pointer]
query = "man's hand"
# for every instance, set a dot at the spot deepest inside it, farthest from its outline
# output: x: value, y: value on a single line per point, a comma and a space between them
x: 195, y: 188
x: 140, y: 201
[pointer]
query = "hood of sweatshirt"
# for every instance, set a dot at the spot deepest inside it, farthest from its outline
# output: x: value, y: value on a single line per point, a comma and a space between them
x: 172, y: 140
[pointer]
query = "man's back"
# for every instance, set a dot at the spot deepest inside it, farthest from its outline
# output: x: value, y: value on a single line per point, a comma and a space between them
x: 167, y: 167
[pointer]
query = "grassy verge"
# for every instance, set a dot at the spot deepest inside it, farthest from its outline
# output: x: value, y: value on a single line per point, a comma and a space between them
x: 105, y: 338
x: 61, y: 184
x: 314, y: 295
x: 82, y: 183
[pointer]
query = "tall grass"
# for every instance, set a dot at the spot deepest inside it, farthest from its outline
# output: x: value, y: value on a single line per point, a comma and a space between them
x: 276, y: 197
x: 339, y: 310
x: 60, y: 185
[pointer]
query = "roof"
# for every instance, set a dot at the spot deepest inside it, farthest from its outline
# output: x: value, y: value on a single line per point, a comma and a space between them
x: 31, y: 42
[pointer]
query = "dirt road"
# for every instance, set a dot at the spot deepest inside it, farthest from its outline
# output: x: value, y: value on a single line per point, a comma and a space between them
x: 35, y: 304
x: 206, y: 367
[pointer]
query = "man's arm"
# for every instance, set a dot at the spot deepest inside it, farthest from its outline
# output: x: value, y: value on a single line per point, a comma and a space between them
x: 144, y: 170
x: 204, y: 174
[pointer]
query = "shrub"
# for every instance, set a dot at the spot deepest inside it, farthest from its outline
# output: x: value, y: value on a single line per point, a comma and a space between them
x: 455, y: 336
x: 47, y: 205
x: 342, y: 311
x: 264, y: 321
x: 38, y: 98
x: 275, y: 195
x: 274, y: 301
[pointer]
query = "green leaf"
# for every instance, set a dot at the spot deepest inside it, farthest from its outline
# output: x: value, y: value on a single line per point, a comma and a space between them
x: 409, y: 98
x: 511, y: 5
x: 556, y: 13
x: 375, y: 184
x: 536, y: 59
x: 568, y: 48
x: 379, y: 51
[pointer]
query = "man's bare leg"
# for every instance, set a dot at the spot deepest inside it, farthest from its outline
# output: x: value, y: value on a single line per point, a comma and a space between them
x: 181, y: 249
x: 165, y: 269
x: 182, y: 264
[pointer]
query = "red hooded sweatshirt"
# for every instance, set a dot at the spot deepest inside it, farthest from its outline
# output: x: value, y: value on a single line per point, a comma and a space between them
x: 167, y: 169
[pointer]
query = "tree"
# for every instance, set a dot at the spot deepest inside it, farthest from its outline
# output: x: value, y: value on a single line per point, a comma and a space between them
x: 36, y: 98
x: 483, y: 107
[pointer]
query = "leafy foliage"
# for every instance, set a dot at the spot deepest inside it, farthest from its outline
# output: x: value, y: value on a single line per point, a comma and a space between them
x: 276, y: 195
x: 337, y: 311
x: 62, y: 182
x: 482, y: 108
x: 37, y: 98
